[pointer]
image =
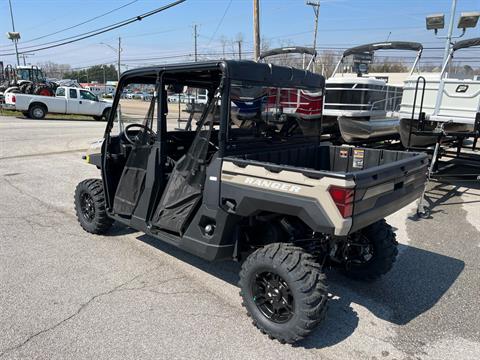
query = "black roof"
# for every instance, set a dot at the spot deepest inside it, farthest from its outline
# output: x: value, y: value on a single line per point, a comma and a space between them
x: 466, y: 43
x: 288, y: 50
x: 389, y: 45
x: 244, y: 70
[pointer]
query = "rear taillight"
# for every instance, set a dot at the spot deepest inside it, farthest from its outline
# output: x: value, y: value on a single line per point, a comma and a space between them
x: 343, y: 198
x: 14, y: 99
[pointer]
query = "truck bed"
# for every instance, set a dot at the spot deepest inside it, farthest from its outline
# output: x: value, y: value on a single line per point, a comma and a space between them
x: 384, y: 180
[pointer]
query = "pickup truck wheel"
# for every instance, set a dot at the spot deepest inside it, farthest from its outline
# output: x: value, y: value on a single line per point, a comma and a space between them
x: 373, y: 253
x: 284, y: 291
x: 90, y: 207
x: 37, y: 111
x: 105, y: 115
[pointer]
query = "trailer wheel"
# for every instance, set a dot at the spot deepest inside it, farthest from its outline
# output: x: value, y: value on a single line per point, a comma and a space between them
x: 90, y: 207
x: 283, y: 291
x: 372, y: 254
x: 37, y: 111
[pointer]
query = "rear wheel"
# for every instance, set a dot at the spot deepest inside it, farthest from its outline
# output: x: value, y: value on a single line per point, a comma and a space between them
x: 37, y: 111
x: 372, y: 253
x: 90, y: 207
x: 284, y: 291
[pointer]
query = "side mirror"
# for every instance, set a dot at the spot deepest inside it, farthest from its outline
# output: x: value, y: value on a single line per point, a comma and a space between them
x: 96, y: 98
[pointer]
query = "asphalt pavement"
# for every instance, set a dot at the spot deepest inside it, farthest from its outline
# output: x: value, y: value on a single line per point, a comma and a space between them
x: 67, y: 294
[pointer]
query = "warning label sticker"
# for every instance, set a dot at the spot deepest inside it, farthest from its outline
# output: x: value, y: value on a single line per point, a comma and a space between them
x: 358, y: 155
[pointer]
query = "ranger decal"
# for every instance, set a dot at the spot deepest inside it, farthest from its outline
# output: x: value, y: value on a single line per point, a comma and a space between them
x: 275, y: 185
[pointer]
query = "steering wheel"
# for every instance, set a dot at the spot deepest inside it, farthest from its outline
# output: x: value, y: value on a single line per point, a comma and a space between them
x: 141, y: 126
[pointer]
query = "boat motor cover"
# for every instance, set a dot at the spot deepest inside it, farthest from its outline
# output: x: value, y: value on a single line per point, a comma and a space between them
x: 390, y: 45
x: 466, y: 43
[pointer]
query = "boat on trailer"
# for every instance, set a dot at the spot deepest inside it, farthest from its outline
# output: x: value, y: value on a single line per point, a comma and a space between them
x: 361, y: 108
x: 434, y: 104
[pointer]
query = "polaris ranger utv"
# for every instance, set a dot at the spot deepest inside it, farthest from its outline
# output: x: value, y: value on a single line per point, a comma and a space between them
x: 252, y: 183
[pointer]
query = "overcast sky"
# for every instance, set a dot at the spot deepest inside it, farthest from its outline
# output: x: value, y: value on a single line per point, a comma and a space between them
x: 342, y: 23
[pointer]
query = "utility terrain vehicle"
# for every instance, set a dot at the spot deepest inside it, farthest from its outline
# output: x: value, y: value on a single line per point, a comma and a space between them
x: 253, y: 188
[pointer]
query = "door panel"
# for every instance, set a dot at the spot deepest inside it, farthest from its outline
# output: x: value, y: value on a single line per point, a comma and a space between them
x: 72, y: 101
x: 87, y: 103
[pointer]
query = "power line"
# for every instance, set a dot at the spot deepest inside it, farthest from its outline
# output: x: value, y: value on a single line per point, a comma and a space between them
x: 79, y: 24
x: 99, y: 31
x: 220, y: 22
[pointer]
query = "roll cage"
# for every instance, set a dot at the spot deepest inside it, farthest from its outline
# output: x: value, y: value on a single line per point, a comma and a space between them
x: 209, y: 75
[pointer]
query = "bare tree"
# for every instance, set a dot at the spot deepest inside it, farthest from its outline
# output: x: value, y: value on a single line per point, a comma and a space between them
x: 54, y: 70
x: 265, y: 44
x: 327, y: 60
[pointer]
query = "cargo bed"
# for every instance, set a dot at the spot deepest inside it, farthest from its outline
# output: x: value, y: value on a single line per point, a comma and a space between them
x: 383, y: 180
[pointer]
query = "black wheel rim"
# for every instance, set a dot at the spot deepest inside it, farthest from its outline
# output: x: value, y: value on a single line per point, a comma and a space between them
x: 87, y: 206
x: 273, y: 297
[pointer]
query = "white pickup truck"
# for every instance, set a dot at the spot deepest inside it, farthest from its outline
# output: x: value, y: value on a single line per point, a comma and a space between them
x: 67, y: 100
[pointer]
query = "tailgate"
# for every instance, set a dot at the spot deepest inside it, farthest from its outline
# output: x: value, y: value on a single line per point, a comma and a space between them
x: 382, y: 190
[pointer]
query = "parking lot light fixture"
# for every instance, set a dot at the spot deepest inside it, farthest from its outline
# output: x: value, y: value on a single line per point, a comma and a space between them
x: 468, y: 20
x: 435, y: 22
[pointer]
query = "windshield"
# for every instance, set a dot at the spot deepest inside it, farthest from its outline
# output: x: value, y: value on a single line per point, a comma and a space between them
x: 87, y: 95
x: 26, y: 74
x: 273, y: 112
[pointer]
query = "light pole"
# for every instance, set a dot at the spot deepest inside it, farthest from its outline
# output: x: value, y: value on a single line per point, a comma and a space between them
x: 437, y: 21
x: 14, y: 36
x: 118, y: 51
x: 104, y: 81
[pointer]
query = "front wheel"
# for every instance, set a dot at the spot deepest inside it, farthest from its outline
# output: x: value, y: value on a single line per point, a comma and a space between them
x: 90, y: 207
x: 284, y: 291
x: 371, y: 252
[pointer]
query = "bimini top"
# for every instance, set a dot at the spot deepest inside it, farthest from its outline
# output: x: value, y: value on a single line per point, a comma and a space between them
x: 244, y: 70
x: 288, y: 50
x: 391, y: 45
x: 466, y: 43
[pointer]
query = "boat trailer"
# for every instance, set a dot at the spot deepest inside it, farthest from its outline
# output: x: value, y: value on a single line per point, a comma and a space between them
x: 462, y: 159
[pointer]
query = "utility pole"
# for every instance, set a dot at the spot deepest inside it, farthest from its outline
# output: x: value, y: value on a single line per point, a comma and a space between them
x: 256, y: 29
x: 119, y: 51
x: 14, y: 38
x: 239, y: 41
x: 316, y: 9
x: 25, y: 56
x: 195, y: 36
x: 448, y: 41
